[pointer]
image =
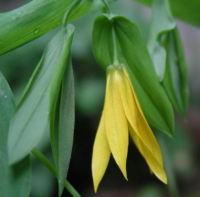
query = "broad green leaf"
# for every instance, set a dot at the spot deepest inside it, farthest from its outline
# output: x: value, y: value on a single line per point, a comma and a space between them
x: 35, y: 19
x: 133, y: 53
x: 175, y: 80
x: 186, y: 10
x: 14, y: 180
x: 32, y: 114
x: 62, y: 112
x: 161, y: 23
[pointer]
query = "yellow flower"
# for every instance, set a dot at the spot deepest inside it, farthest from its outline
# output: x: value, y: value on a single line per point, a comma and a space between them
x: 122, y: 113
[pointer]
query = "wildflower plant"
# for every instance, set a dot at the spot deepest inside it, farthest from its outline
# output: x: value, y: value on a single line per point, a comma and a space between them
x: 144, y: 82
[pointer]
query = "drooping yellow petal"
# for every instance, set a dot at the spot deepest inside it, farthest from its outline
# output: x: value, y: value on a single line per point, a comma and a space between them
x: 115, y: 121
x: 140, y: 130
x: 153, y: 163
x: 143, y: 130
x: 101, y: 154
x: 138, y: 143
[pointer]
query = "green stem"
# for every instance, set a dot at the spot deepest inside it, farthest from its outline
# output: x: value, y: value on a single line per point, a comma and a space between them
x: 67, y: 13
x: 107, y: 6
x: 116, y: 60
x: 172, y: 185
x: 44, y: 160
x: 71, y: 189
x: 51, y: 168
x: 115, y: 55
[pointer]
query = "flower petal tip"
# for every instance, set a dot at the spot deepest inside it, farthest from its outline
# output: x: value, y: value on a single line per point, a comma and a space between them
x: 163, y: 178
x: 96, y: 187
x: 125, y: 176
x: 123, y: 170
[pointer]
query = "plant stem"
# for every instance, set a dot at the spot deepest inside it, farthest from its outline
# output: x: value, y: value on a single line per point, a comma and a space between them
x: 107, y: 6
x: 51, y: 168
x: 172, y: 184
x: 67, y: 13
x: 115, y: 55
x: 71, y: 189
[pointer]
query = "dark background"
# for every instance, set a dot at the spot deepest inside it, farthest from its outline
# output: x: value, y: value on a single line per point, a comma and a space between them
x: 182, y: 152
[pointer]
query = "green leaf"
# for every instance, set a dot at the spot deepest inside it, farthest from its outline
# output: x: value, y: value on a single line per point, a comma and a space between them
x: 66, y: 125
x: 62, y: 112
x: 14, y: 180
x: 35, y: 19
x: 133, y: 53
x: 161, y: 23
x: 175, y: 80
x: 185, y: 10
x: 32, y: 114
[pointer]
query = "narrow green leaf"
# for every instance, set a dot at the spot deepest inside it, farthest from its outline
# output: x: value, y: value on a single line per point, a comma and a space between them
x: 66, y: 126
x: 175, y: 80
x: 133, y: 53
x: 161, y: 23
x: 62, y: 112
x: 14, y: 180
x: 32, y: 114
x: 182, y: 69
x: 35, y: 19
x: 185, y: 10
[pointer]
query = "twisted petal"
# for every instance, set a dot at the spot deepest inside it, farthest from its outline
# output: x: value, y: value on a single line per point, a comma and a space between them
x: 101, y: 154
x: 115, y: 122
x: 139, y: 128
